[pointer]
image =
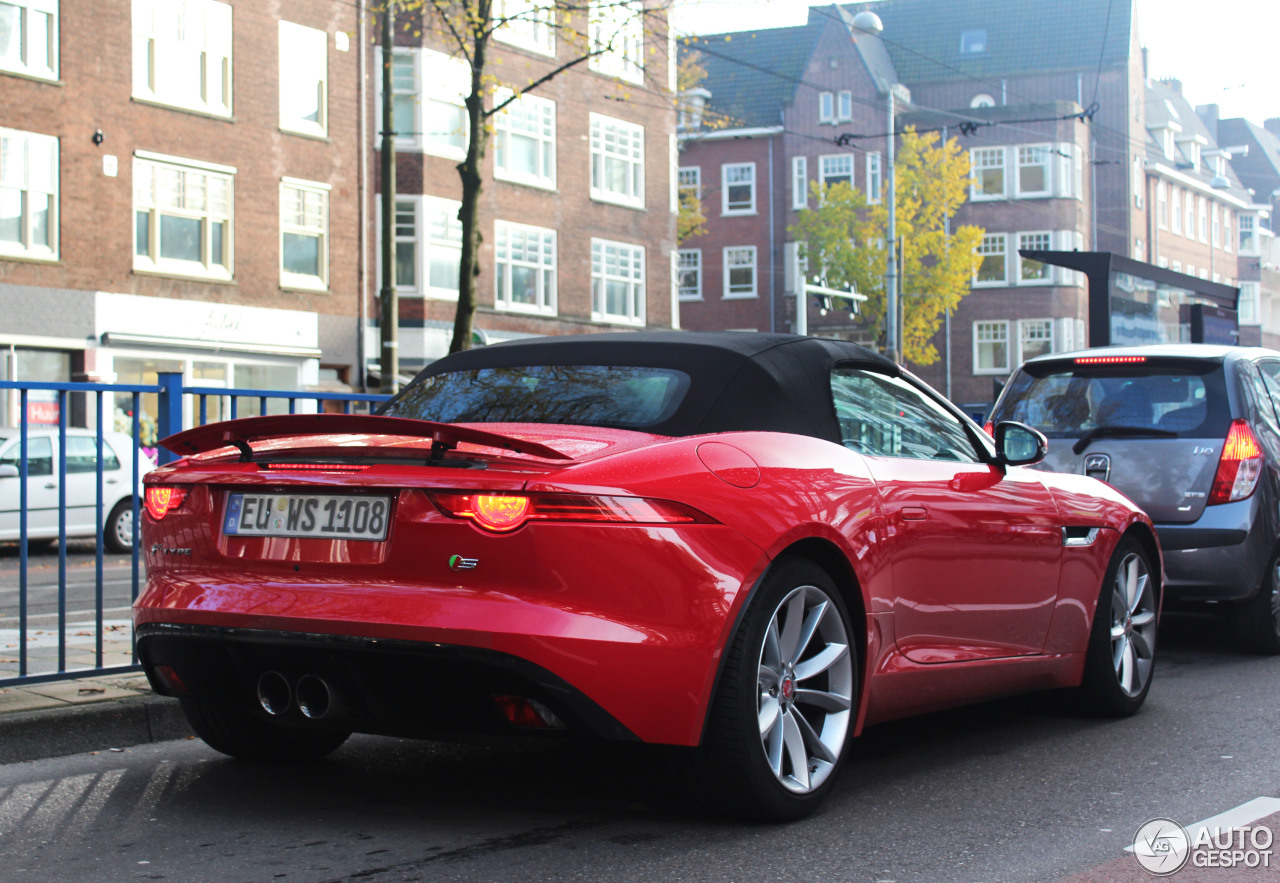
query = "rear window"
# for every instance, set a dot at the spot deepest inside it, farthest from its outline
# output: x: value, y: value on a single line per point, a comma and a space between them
x: 582, y: 395
x: 1066, y: 400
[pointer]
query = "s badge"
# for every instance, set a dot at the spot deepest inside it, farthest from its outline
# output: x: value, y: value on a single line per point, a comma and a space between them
x: 457, y: 562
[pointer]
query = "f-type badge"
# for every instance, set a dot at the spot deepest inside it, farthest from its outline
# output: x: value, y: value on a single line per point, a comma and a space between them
x: 1097, y: 466
x: 457, y: 562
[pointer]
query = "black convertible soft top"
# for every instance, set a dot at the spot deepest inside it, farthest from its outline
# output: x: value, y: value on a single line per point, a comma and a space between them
x: 738, y: 380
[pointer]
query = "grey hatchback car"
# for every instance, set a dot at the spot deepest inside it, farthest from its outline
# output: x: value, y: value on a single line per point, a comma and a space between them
x: 1189, y: 432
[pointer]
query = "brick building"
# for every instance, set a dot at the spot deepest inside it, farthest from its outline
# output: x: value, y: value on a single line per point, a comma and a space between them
x: 578, y: 205
x: 179, y: 190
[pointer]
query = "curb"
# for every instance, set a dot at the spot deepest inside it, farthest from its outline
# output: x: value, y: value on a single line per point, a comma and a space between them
x: 98, y: 726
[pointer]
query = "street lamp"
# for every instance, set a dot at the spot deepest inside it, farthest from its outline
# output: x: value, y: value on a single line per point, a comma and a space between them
x: 870, y: 23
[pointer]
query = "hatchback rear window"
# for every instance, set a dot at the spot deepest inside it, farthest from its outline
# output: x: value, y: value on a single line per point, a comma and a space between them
x: 581, y: 395
x: 1066, y: 399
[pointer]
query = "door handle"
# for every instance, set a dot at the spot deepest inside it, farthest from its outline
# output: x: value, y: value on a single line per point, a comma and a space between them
x: 113, y: 481
x: 53, y: 485
x: 914, y: 513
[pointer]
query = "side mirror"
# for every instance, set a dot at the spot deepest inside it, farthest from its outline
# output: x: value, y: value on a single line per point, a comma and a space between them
x: 1019, y: 445
x: 8, y: 471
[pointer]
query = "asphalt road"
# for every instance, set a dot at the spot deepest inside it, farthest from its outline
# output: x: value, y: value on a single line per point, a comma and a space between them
x: 43, y: 580
x: 1010, y: 791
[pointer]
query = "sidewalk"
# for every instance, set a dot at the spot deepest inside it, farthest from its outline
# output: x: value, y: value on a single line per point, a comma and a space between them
x: 91, y: 714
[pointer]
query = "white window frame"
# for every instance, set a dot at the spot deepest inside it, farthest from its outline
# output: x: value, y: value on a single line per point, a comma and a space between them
x: 831, y: 159
x: 526, y: 24
x: 1226, y: 229
x: 987, y: 158
x: 799, y: 183
x: 617, y: 141
x: 617, y: 28
x: 196, y: 182
x: 1215, y: 236
x: 1030, y: 156
x: 449, y: 82
x: 408, y: 230
x: 312, y: 221
x: 1175, y: 210
x: 529, y: 117
x: 538, y: 254
x: 986, y: 247
x: 1030, y: 331
x: 989, y: 333
x: 826, y: 107
x: 1162, y: 205
x: 1202, y: 218
x: 625, y: 266
x: 737, y: 257
x: 875, y: 176
x: 689, y: 260
x: 167, y: 33
x: 844, y: 106
x: 1028, y: 240
x: 422, y: 225
x: 742, y: 174
x: 26, y: 33
x: 690, y: 178
x: 29, y: 173
x: 304, y: 66
x: 1248, y: 303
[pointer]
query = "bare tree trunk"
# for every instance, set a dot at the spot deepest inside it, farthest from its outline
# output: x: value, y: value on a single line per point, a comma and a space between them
x: 472, y: 185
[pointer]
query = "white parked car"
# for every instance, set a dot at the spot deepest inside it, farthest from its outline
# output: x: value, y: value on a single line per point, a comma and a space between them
x: 82, y: 485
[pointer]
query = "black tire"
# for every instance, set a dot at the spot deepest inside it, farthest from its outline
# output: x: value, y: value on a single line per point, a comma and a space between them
x: 1120, y: 661
x: 118, y: 533
x: 811, y: 691
x: 1257, y: 621
x: 238, y: 732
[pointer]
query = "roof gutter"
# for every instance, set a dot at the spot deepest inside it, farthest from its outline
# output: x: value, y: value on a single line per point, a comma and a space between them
x: 729, y: 134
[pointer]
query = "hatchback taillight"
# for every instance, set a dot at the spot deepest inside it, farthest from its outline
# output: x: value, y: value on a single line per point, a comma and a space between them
x: 1239, y: 466
x: 160, y: 499
x: 506, y: 512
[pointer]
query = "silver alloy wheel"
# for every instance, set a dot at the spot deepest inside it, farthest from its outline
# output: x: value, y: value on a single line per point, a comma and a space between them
x: 804, y: 689
x: 1133, y: 624
x: 1275, y: 598
x: 122, y: 528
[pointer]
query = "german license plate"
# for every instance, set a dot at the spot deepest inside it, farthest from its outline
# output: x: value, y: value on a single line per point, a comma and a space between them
x: 330, y: 516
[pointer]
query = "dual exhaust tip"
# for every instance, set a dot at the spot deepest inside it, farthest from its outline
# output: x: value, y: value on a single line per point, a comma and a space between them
x: 311, y: 695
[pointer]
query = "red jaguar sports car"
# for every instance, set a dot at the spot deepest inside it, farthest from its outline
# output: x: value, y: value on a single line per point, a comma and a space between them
x: 752, y: 545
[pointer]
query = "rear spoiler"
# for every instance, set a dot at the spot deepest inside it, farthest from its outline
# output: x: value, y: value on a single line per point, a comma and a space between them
x: 444, y: 436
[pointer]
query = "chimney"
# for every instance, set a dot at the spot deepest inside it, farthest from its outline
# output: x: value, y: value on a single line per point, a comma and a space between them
x: 1208, y: 113
x: 1273, y: 126
x: 1173, y: 83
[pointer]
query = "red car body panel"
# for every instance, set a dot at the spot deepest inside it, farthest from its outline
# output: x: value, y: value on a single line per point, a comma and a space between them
x: 636, y: 617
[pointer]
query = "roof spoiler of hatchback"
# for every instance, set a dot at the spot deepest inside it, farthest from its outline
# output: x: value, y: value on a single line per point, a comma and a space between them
x: 444, y: 436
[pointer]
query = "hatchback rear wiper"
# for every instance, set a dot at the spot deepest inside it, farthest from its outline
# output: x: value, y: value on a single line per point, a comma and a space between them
x: 1119, y: 432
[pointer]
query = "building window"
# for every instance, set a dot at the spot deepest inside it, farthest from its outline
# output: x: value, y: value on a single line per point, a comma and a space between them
x: 304, y: 79
x: 1248, y: 234
x: 434, y: 121
x: 992, y: 270
x: 826, y: 107
x: 1217, y: 227
x: 617, y: 161
x: 982, y: 99
x: 1162, y: 205
x: 617, y: 35
x: 1175, y: 211
x: 1202, y: 214
x: 689, y: 274
x: 1139, y: 250
x: 1139, y: 182
x: 738, y: 189
x: 29, y: 37
x: 28, y: 194
x: 304, y: 234
x: 988, y: 172
x: 799, y: 182
x: 182, y: 212
x: 1035, y: 338
x: 617, y: 282
x: 1226, y: 230
x: 1248, y: 303
x: 844, y: 106
x: 740, y: 272
x: 1190, y: 216
x: 525, y: 141
x: 1033, y: 272
x: 182, y: 54
x: 973, y: 42
x: 528, y: 24
x: 1033, y: 170
x: 990, y: 347
x: 875, y: 182
x: 525, y: 268
x: 407, y: 251
x: 428, y: 247
x: 836, y: 168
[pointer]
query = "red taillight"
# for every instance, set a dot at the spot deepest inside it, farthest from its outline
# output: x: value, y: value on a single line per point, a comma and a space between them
x: 161, y: 500
x: 989, y: 428
x: 1239, y: 466
x: 506, y: 512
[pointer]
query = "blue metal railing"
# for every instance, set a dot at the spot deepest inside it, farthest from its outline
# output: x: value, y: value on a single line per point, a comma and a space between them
x: 172, y: 396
